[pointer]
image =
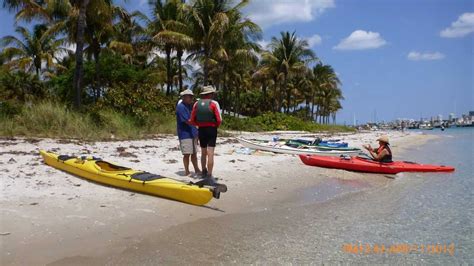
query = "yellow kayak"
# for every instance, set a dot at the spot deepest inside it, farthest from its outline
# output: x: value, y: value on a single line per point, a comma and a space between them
x: 100, y: 171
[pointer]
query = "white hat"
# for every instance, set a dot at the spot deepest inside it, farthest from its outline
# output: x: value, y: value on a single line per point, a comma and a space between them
x: 186, y: 92
x: 208, y: 89
x: 383, y: 138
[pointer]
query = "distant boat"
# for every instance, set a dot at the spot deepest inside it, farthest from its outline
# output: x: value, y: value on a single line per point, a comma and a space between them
x: 426, y: 127
x: 465, y: 124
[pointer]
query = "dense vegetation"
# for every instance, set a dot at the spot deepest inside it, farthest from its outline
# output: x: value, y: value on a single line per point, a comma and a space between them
x: 102, y: 59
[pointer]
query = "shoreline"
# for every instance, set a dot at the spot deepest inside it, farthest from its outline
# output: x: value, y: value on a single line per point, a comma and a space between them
x: 44, y: 207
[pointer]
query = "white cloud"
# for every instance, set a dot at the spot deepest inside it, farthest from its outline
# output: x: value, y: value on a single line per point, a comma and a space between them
x: 460, y: 28
x: 194, y: 64
x: 361, y: 40
x: 272, y: 12
x: 314, y: 40
x: 427, y: 56
x: 61, y: 54
x: 264, y: 44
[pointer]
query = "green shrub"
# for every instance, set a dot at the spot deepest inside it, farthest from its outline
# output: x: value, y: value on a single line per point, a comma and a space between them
x: 277, y: 121
x: 20, y: 86
x: 139, y: 100
x: 55, y: 120
x: 10, y: 108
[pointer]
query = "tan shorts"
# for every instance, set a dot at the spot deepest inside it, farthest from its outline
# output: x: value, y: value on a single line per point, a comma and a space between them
x: 188, y: 146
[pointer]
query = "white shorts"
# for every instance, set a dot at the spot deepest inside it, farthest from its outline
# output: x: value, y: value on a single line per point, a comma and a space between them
x: 188, y: 146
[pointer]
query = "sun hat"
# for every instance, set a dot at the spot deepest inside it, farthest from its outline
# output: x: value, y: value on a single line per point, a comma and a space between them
x: 208, y: 89
x: 383, y: 138
x: 186, y: 92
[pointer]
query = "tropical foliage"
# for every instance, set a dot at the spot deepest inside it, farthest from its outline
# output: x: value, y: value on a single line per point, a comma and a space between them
x: 96, y: 53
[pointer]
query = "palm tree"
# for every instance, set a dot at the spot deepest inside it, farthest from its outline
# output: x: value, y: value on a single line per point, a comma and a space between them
x: 79, y: 71
x: 210, y: 19
x: 70, y: 17
x: 325, y: 89
x: 171, y: 29
x: 130, y: 39
x: 262, y: 77
x: 27, y: 10
x: 335, y: 105
x: 37, y: 48
x: 237, y: 51
x: 302, y: 82
x: 288, y: 55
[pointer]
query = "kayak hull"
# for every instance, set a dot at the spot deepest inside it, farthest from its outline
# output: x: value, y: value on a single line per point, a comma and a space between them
x: 281, y: 148
x: 368, y: 166
x: 121, y: 178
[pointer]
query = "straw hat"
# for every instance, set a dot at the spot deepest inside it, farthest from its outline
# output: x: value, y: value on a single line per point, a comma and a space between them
x: 208, y: 89
x: 383, y: 138
x: 186, y: 92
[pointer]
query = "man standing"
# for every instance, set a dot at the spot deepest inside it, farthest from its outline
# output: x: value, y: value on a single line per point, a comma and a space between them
x: 187, y: 133
x: 206, y: 115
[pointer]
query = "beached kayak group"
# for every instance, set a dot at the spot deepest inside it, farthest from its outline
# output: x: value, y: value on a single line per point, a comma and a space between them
x: 197, y: 124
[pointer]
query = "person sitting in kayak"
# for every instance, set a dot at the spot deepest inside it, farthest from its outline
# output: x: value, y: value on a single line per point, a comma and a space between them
x: 382, y: 153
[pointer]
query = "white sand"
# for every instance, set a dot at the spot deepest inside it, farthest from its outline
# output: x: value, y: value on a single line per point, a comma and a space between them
x: 49, y: 215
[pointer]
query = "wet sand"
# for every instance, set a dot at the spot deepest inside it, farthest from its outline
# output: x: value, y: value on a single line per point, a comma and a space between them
x: 418, y: 210
x: 54, y: 217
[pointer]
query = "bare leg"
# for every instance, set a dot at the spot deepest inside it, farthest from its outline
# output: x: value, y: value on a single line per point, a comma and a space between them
x: 186, y: 164
x: 210, y: 163
x: 195, y: 163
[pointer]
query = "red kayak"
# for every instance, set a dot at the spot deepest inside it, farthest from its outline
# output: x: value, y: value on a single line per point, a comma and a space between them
x: 360, y: 164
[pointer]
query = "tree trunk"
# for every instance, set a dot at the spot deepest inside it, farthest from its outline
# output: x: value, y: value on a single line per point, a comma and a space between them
x: 37, y: 65
x: 97, y: 69
x: 179, y: 54
x: 275, y: 99
x: 206, y: 67
x: 280, y: 97
x: 285, y: 84
x: 224, y: 88
x: 237, y: 100
x: 317, y: 114
x: 307, y: 109
x: 78, y: 73
x: 169, y: 75
x: 264, y: 93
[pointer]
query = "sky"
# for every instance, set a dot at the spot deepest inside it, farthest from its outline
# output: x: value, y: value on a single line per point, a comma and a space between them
x: 395, y: 58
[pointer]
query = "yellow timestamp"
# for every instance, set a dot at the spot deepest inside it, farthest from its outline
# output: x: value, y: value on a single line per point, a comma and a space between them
x: 398, y: 248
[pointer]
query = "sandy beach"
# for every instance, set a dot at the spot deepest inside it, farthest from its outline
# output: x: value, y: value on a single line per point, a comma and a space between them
x: 49, y: 216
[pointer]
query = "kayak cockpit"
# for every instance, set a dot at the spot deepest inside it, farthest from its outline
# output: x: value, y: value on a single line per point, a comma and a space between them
x: 109, y: 167
x: 370, y: 160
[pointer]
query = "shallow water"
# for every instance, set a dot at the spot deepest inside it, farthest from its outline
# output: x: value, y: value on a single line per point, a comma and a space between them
x: 414, y: 210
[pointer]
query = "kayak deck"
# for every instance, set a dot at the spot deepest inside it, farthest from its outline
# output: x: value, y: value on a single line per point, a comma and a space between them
x: 359, y: 164
x: 282, y: 148
x: 122, y: 177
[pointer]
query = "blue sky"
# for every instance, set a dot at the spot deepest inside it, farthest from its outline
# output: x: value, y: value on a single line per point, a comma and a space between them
x: 396, y: 58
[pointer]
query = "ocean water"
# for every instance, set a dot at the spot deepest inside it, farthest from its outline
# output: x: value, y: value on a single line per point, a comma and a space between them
x: 418, y: 218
